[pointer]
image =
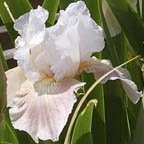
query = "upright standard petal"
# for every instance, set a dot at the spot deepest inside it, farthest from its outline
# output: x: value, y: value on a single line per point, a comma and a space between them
x: 63, y: 51
x: 30, y: 45
x: 63, y: 43
x: 90, y: 34
x: 24, y: 60
x: 31, y: 27
x: 91, y: 37
x: 72, y: 13
x: 101, y: 67
x: 15, y: 77
x: 31, y: 24
x: 73, y: 40
x: 42, y: 108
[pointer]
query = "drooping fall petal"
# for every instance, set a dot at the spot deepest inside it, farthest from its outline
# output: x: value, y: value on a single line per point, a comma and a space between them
x: 101, y: 67
x: 42, y: 108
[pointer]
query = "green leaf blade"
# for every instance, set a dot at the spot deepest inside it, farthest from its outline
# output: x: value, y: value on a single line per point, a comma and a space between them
x: 82, y: 129
x: 52, y: 7
x: 18, y: 7
x: 130, y: 23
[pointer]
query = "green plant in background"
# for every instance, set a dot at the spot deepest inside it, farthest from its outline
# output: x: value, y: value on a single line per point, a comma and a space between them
x: 115, y: 119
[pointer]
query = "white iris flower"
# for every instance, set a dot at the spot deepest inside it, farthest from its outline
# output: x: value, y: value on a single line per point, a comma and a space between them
x: 41, y: 89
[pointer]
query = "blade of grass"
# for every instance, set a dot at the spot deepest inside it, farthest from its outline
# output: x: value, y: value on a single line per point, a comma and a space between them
x: 7, y: 133
x: 141, y: 8
x: 110, y: 47
x: 93, y: 6
x: 98, y: 124
x: 2, y: 89
x: 4, y: 63
x: 133, y: 110
x: 130, y: 23
x: 52, y: 7
x: 115, y: 107
x: 139, y: 133
x: 2, y: 100
x: 7, y: 20
x: 18, y: 7
x: 82, y: 128
x: 9, y: 11
x: 134, y: 68
x: 113, y: 103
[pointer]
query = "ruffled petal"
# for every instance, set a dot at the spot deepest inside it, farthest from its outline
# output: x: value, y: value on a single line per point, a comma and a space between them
x: 131, y: 90
x: 42, y: 108
x: 31, y: 53
x: 63, y: 51
x: 112, y: 23
x: 72, y: 13
x: 73, y: 40
x: 31, y: 24
x: 91, y: 37
x: 31, y: 27
x: 101, y: 67
x: 90, y: 34
x: 15, y: 77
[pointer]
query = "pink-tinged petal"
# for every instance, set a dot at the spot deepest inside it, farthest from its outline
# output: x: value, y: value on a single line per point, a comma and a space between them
x: 101, y: 67
x: 131, y: 90
x: 42, y: 108
x: 15, y: 77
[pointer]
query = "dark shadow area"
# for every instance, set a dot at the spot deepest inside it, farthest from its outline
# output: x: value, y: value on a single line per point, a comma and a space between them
x: 139, y: 131
x: 117, y: 131
x: 35, y: 3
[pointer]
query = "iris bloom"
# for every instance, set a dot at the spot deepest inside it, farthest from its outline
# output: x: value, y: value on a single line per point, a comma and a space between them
x: 41, y: 88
